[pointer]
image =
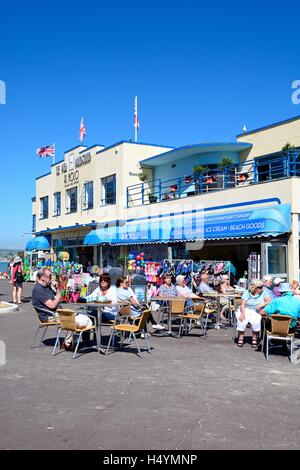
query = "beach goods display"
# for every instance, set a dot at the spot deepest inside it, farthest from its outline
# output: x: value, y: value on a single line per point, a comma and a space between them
x: 63, y: 255
x: 136, y: 263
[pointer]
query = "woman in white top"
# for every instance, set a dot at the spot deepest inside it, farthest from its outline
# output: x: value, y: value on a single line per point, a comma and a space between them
x: 253, y: 300
x: 125, y: 293
x: 105, y: 291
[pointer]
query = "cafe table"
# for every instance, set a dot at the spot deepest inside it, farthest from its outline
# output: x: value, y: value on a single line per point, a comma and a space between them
x: 99, y: 307
x: 166, y: 299
x: 217, y: 296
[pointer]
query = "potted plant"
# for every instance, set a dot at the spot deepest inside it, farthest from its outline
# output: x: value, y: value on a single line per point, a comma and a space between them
x: 188, y: 179
x: 243, y: 177
x: 288, y: 146
x: 199, y: 168
x: 152, y: 198
x: 210, y: 180
x: 143, y: 177
x: 225, y: 162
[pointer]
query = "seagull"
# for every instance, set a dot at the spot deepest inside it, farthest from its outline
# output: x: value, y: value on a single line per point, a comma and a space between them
x: 244, y: 128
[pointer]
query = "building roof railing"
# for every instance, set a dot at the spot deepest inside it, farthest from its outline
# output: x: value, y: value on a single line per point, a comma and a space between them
x: 260, y: 170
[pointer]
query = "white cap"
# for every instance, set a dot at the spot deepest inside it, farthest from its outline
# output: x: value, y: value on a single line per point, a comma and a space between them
x: 278, y: 280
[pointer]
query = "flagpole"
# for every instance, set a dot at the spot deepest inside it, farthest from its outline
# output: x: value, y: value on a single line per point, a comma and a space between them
x: 136, y: 119
x: 53, y: 158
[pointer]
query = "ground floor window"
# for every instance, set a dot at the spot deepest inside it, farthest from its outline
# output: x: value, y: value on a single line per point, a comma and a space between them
x: 277, y: 259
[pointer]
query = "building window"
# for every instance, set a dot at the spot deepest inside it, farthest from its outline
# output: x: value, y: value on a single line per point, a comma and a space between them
x: 277, y: 259
x: 88, y: 195
x: 108, y: 190
x: 57, y: 204
x: 44, y: 207
x: 71, y: 200
x: 33, y: 222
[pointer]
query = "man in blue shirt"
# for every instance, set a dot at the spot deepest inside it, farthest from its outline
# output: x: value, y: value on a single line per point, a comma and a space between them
x: 286, y: 304
x: 268, y: 281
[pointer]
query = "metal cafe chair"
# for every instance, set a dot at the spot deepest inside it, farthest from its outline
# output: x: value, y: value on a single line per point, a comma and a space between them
x: 177, y: 310
x: 280, y: 325
x: 44, y: 325
x: 133, y: 330
x: 68, y: 324
x: 195, y: 318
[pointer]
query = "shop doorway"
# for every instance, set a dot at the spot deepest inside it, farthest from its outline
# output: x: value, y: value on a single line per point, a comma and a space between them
x: 237, y: 253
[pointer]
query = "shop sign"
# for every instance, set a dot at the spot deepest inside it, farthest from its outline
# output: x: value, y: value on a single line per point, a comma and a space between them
x: 262, y: 221
x: 71, y: 178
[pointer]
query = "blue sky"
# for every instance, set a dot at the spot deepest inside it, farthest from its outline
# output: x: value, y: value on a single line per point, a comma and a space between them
x: 201, y: 70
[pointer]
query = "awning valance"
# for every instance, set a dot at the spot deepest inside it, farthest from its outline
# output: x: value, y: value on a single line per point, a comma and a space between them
x: 37, y: 243
x: 196, y: 225
x: 101, y: 236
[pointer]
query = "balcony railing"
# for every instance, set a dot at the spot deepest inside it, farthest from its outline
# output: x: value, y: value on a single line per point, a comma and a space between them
x: 260, y: 170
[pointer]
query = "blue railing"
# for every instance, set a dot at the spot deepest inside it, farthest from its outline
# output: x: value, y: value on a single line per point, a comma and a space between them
x: 260, y: 170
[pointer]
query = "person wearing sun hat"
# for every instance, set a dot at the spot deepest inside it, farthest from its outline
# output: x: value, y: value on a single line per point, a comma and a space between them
x: 17, y: 278
x: 286, y: 304
x: 277, y: 281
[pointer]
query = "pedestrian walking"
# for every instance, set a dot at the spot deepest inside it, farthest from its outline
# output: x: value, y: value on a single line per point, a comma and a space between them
x: 17, y: 278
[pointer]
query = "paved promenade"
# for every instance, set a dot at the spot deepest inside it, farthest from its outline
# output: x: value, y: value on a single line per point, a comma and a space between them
x: 192, y: 393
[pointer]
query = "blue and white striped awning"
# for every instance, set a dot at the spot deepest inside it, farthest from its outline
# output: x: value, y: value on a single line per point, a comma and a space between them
x: 196, y: 226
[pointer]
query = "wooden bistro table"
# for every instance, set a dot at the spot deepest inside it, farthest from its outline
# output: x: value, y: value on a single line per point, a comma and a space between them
x: 99, y: 306
x: 166, y: 299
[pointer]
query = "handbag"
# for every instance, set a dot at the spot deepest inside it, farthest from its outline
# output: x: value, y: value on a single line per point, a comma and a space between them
x: 19, y: 277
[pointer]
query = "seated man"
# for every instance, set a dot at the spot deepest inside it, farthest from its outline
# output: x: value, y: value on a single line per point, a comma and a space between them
x: 46, y: 301
x: 286, y: 304
x: 268, y: 281
x: 277, y: 281
x: 204, y: 287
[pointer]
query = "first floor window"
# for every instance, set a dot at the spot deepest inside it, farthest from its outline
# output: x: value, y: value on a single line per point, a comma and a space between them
x: 57, y: 204
x: 108, y: 190
x: 44, y: 207
x: 88, y: 195
x: 71, y: 200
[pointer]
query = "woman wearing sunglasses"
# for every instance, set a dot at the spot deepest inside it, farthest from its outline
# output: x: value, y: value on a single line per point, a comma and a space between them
x: 253, y: 300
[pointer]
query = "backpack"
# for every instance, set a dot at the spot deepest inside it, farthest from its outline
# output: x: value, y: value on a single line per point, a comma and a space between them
x: 19, y: 277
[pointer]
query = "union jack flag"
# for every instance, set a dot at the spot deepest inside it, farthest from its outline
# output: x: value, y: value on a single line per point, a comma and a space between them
x: 47, y: 151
